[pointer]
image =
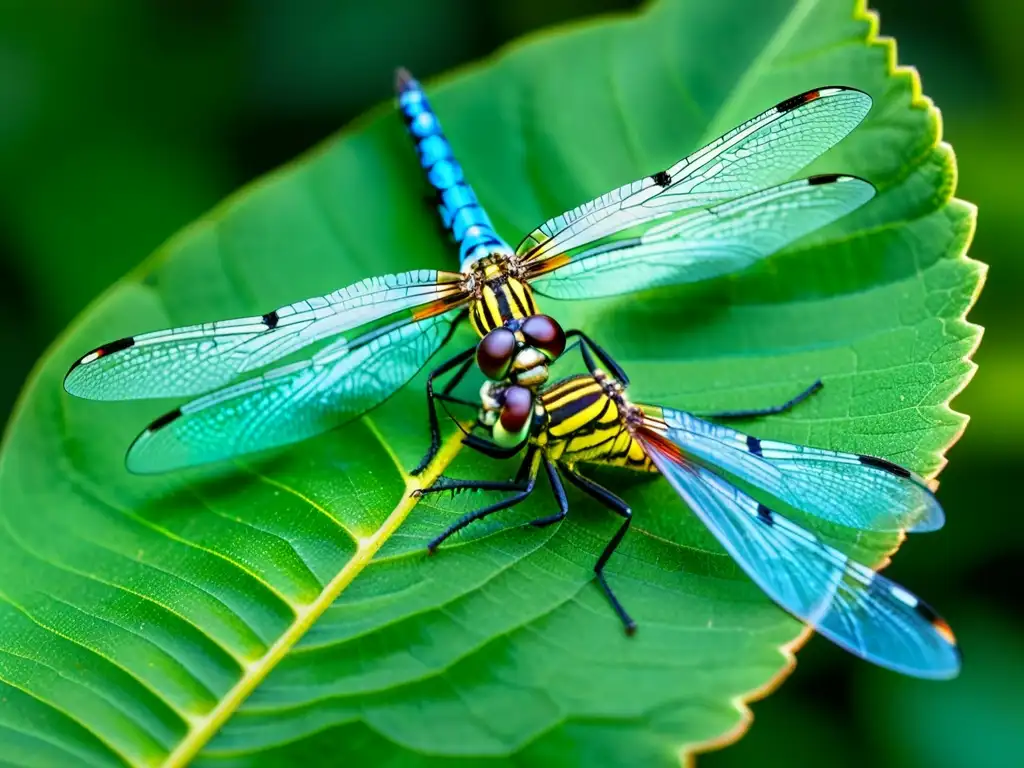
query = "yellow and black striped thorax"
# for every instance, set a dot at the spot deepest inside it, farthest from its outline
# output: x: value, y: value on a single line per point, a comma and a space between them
x: 500, y: 297
x: 584, y: 424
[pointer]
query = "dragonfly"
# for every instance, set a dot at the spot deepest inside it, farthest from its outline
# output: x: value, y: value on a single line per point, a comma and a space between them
x: 587, y: 419
x: 716, y: 211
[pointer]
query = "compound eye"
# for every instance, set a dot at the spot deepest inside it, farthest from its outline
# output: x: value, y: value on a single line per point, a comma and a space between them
x: 495, y: 352
x: 544, y: 333
x: 514, y: 422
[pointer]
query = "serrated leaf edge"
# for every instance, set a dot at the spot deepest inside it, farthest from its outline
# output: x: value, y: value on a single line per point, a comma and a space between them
x: 204, y: 728
x: 689, y: 751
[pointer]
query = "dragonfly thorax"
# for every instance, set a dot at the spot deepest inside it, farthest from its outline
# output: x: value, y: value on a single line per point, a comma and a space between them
x: 499, y: 294
x: 587, y: 419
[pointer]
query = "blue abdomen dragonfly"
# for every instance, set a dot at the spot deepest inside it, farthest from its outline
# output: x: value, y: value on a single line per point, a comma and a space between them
x: 716, y: 211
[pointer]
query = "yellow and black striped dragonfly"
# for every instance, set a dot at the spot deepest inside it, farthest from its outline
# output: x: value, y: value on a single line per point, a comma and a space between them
x: 588, y: 419
x: 715, y: 211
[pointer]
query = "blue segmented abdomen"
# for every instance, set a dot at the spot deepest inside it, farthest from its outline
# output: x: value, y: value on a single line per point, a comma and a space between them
x: 461, y: 212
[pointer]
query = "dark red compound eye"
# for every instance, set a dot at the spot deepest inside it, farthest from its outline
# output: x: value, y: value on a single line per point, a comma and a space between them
x: 545, y: 334
x: 516, y: 409
x: 494, y: 353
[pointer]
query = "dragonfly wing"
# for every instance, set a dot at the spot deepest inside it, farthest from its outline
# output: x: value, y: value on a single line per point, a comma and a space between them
x: 848, y: 489
x: 290, y: 403
x: 850, y: 604
x: 197, y: 358
x: 699, y: 245
x: 766, y: 150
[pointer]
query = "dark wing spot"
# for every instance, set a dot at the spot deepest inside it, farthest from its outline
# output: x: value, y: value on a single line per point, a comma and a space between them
x: 164, y: 420
x: 754, y: 445
x: 270, y: 319
x: 117, y: 346
x: 823, y: 178
x: 662, y: 178
x: 926, y: 612
x: 885, y: 466
x: 764, y: 514
x: 106, y: 349
x: 795, y: 101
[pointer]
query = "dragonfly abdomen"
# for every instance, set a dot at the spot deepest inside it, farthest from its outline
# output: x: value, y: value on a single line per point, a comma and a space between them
x: 460, y: 211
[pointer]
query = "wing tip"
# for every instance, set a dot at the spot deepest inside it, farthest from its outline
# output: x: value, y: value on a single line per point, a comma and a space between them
x: 822, y: 179
x: 942, y: 629
x: 934, y: 517
x: 91, y: 357
x: 132, y: 461
x: 786, y: 105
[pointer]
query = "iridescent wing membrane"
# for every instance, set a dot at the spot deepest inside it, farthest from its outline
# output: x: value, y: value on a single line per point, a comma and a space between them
x: 849, y: 603
x: 711, y: 213
x: 381, y: 331
x: 707, y: 243
x: 815, y: 481
x: 707, y: 215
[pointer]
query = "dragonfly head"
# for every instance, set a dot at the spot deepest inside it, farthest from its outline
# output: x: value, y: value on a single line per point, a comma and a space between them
x: 521, y: 350
x: 509, y: 411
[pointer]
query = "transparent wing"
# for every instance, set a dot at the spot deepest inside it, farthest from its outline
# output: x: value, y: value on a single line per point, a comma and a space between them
x: 848, y: 489
x: 850, y: 604
x: 197, y: 358
x: 698, y: 245
x: 290, y: 403
x: 766, y: 150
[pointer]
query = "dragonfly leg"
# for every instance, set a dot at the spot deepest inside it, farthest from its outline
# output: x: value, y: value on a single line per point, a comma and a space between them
x: 613, y: 368
x: 455, y: 485
x: 464, y: 359
x: 488, y: 448
x: 770, y: 410
x: 559, y: 490
x: 619, y: 507
x: 528, y: 472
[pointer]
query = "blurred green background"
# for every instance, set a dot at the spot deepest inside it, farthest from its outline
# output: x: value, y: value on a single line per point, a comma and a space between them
x: 122, y: 121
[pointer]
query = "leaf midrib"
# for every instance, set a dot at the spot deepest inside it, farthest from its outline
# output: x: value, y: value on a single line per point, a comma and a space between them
x: 255, y: 672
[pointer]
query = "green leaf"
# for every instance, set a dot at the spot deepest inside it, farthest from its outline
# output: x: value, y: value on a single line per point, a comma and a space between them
x: 282, y: 611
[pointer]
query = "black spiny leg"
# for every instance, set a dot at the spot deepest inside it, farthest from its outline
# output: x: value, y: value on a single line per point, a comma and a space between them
x: 465, y: 359
x: 770, y: 410
x: 613, y: 368
x: 619, y: 507
x: 489, y: 448
x: 531, y: 464
x: 455, y: 485
x: 559, y: 490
